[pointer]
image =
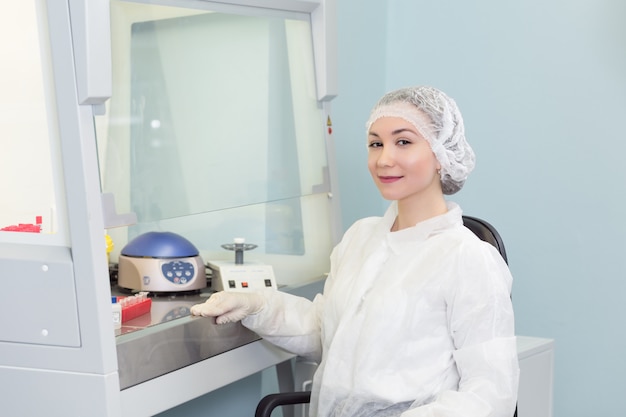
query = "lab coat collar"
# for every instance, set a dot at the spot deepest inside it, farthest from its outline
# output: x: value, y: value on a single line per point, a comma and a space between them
x: 422, y: 230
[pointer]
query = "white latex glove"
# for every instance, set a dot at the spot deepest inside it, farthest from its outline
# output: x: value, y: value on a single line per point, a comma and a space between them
x: 228, y: 307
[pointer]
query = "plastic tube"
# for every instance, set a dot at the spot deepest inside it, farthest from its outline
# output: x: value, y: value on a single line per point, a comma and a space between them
x: 116, y: 309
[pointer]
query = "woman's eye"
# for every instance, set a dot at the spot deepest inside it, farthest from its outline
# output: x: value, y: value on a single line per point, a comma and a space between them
x: 403, y: 142
x: 375, y: 145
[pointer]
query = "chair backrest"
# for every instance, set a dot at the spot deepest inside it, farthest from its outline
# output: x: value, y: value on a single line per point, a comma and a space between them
x: 486, y: 232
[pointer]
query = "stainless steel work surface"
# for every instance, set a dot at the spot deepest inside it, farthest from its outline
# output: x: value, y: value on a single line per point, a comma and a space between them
x: 168, y: 338
x: 165, y: 308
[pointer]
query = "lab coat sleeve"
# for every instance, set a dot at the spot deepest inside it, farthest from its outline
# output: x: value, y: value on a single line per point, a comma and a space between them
x: 295, y: 323
x: 289, y: 322
x: 481, y: 323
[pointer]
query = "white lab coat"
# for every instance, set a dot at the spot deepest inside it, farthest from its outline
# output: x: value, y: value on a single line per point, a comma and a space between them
x: 417, y: 323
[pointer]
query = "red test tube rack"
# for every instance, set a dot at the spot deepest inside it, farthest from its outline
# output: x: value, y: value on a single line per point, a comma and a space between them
x: 134, y: 306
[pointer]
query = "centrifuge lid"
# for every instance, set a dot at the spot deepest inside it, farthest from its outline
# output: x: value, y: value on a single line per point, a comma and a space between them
x: 160, y: 245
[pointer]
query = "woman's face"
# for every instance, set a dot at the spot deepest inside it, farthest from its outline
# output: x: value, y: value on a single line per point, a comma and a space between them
x: 400, y: 160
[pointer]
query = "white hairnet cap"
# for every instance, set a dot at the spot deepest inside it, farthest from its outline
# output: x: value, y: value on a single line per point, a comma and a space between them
x: 442, y: 128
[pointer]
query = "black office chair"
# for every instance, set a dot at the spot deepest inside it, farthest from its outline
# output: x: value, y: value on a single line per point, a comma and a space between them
x: 485, y: 231
x: 481, y: 228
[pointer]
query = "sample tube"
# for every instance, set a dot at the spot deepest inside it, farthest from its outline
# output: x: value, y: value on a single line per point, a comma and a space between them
x: 239, y: 250
x: 117, y: 313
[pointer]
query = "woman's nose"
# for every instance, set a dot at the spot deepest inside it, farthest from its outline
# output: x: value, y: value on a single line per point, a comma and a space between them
x: 385, y: 158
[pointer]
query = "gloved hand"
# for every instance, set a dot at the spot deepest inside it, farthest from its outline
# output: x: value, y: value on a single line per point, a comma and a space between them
x: 229, y: 307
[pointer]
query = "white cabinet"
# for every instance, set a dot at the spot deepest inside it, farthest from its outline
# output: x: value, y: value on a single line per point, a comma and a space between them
x: 536, y: 361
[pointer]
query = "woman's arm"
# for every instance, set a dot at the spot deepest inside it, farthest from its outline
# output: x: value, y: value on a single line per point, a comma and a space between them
x: 290, y: 322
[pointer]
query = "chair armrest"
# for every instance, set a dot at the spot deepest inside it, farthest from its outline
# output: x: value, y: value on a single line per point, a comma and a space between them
x: 271, y: 401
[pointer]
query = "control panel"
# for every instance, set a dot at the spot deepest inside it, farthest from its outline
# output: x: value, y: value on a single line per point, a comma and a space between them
x: 178, y: 272
x: 228, y: 276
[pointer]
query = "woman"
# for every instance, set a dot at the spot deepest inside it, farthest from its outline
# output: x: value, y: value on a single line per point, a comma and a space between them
x: 415, y: 319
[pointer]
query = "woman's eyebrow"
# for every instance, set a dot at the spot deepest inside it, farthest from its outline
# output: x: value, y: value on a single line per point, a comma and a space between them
x: 402, y: 130
x: 394, y: 132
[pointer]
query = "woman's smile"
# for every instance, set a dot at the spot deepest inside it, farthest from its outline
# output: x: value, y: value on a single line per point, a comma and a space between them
x: 389, y: 179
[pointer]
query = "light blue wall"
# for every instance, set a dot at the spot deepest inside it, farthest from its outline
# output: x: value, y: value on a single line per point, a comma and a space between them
x: 542, y: 86
x: 235, y: 400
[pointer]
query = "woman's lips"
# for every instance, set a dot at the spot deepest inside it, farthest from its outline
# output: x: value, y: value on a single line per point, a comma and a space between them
x: 388, y: 179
